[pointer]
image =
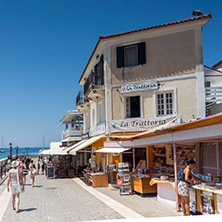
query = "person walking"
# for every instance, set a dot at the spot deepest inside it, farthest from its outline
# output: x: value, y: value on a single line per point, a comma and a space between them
x: 38, y: 165
x: 14, y: 184
x: 32, y: 172
x: 184, y: 184
x: 24, y: 171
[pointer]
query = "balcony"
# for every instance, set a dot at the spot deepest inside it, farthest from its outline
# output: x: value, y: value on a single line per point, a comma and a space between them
x: 82, y: 104
x: 94, y: 84
x: 213, y: 100
x: 213, y: 94
x: 71, y: 135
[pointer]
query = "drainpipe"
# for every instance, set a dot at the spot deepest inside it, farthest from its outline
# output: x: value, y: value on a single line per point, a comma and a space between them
x: 134, y: 168
x: 175, y: 176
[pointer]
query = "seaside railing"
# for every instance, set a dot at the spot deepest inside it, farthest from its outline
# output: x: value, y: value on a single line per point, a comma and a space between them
x: 3, y: 167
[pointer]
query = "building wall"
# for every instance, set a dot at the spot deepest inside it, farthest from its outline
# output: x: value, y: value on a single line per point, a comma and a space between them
x: 167, y: 55
x: 186, y: 99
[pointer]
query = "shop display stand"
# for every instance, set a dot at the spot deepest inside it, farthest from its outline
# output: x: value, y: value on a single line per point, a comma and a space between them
x: 184, y: 154
x: 124, y: 178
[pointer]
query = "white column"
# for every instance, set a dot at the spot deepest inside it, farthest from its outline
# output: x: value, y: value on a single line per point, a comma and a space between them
x: 107, y: 82
x: 200, y: 73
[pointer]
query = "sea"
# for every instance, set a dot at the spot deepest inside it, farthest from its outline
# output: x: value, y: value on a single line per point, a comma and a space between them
x: 21, y: 151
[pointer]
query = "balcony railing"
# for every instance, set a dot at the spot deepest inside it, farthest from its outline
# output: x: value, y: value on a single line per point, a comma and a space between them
x: 213, y: 94
x: 80, y: 98
x: 95, y: 78
x: 71, y: 133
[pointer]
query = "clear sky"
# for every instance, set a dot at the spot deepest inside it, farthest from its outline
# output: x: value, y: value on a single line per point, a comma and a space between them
x: 45, y: 45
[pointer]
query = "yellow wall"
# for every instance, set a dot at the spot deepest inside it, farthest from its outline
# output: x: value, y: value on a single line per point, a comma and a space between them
x: 186, y: 94
x: 167, y: 55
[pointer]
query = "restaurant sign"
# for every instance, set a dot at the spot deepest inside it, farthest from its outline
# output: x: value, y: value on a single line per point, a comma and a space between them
x: 139, y: 87
x: 140, y: 124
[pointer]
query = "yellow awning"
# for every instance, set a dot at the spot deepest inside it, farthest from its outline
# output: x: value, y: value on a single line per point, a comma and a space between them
x: 123, y: 135
x: 86, y: 143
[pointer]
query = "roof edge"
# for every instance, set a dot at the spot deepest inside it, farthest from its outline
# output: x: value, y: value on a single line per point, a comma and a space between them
x: 139, y: 30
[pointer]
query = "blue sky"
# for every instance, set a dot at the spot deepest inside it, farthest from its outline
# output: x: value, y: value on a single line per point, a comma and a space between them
x: 45, y: 45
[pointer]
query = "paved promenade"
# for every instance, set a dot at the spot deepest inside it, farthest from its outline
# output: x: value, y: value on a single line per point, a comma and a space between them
x: 72, y: 200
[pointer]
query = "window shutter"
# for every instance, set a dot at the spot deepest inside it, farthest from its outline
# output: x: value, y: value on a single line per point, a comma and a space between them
x: 142, y: 53
x: 101, y: 70
x: 120, y: 57
x: 127, y: 107
x: 95, y: 75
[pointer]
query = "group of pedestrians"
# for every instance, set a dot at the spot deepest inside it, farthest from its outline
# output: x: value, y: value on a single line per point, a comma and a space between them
x: 17, y: 173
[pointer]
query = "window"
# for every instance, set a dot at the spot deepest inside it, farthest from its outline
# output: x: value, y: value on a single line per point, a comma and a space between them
x: 100, y: 111
x: 93, y: 118
x: 164, y: 103
x: 131, y: 55
x: 132, y: 106
x: 87, y: 121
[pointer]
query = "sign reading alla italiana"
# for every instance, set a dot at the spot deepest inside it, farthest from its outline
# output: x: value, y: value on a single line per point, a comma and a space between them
x: 139, y: 87
x: 140, y: 124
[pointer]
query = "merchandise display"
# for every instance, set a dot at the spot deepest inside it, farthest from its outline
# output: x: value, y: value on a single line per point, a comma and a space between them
x: 124, y: 178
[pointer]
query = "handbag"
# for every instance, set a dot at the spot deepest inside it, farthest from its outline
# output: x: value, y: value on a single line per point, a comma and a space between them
x: 34, y: 172
x: 21, y: 186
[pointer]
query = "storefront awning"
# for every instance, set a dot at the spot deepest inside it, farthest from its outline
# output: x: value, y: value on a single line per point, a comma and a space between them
x: 85, y: 144
x: 69, y: 148
x: 55, y: 149
x: 112, y: 150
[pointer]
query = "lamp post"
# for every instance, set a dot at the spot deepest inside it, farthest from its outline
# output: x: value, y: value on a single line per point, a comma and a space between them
x: 16, y: 148
x: 10, y: 146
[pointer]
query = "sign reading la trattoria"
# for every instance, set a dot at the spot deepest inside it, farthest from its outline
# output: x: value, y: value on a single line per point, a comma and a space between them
x: 139, y: 87
x: 140, y: 124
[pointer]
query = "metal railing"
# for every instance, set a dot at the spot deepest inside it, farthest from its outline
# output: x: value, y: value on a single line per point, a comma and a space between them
x: 80, y: 98
x: 71, y: 133
x: 95, y: 78
x: 213, y: 94
x: 3, y: 167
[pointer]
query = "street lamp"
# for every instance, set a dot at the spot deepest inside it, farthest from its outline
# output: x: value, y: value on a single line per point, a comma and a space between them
x: 27, y: 148
x: 16, y: 148
x: 10, y: 146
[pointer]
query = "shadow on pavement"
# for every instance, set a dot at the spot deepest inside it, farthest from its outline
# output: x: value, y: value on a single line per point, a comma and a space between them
x: 38, y: 186
x: 28, y: 209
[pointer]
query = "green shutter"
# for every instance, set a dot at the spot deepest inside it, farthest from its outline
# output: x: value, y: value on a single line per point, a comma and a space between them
x: 120, y: 57
x: 141, y: 53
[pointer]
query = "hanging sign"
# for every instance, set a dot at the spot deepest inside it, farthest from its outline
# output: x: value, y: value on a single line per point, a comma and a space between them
x: 140, y: 124
x: 139, y: 87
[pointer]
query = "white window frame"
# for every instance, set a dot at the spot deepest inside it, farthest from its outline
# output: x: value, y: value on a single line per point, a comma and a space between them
x: 159, y: 91
x: 141, y: 105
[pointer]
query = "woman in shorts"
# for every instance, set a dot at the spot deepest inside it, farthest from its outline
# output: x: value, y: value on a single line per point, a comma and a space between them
x: 31, y: 170
x: 13, y: 184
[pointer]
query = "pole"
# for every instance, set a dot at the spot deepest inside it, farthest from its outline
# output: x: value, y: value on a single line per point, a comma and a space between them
x: 134, y: 168
x: 10, y: 145
x: 175, y: 176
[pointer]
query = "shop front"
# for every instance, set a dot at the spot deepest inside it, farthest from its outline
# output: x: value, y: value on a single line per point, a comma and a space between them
x: 168, y: 150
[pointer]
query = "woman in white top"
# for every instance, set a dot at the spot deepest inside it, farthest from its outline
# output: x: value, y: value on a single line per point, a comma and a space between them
x: 14, y: 181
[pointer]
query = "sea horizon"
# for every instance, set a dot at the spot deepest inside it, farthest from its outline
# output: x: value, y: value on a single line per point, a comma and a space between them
x: 21, y: 151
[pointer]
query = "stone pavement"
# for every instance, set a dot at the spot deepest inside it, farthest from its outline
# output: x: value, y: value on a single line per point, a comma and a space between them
x: 72, y: 200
